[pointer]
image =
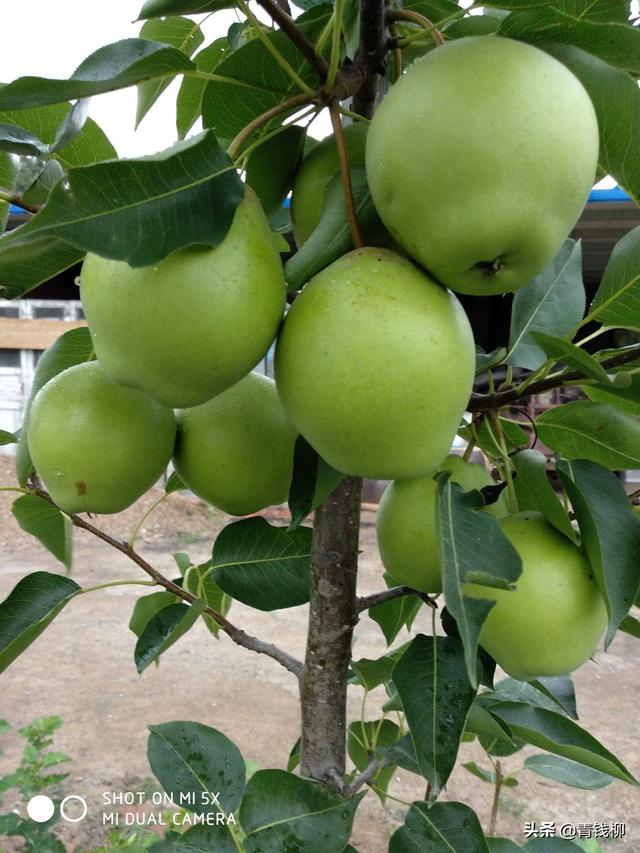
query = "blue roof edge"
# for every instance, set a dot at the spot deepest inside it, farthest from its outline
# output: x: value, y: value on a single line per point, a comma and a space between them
x: 611, y: 194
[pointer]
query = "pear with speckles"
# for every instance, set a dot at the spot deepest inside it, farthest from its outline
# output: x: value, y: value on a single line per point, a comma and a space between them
x: 96, y: 445
x: 480, y: 160
x: 194, y: 324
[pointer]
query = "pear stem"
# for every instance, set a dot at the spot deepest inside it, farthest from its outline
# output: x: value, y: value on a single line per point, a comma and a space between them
x: 345, y: 175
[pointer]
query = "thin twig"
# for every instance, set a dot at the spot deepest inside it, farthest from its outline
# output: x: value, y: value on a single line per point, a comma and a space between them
x: 296, y: 36
x: 345, y: 174
x: 241, y: 638
x: 366, y: 602
x: 367, y: 776
x: 12, y: 198
x: 291, y: 103
x: 416, y: 18
x: 496, y: 798
x: 486, y: 402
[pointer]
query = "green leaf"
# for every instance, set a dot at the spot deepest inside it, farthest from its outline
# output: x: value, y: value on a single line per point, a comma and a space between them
x: 610, y: 534
x: 24, y: 267
x: 250, y: 80
x: 88, y: 146
x: 204, y: 839
x: 474, y: 25
x: 488, y: 775
x: 431, y: 679
x: 472, y: 549
x: 617, y: 302
x: 43, y: 520
x: 146, y: 607
x: 284, y: 812
x: 503, y: 845
x: 360, y: 739
x: 571, y: 355
x: 550, y: 693
x: 163, y: 630
x: 174, y: 484
x: 596, y: 10
x: 403, y: 754
x: 594, y: 431
x: 7, y: 437
x: 33, y: 604
x: 73, y: 347
x: 114, y: 66
x: 392, y: 616
x: 271, y: 167
x: 553, y: 302
x: 263, y: 566
x: 159, y: 8
x: 560, y: 736
x: 616, y: 98
x: 332, y: 236
x: 192, y: 185
x: 180, y: 33
x: 567, y: 772
x: 631, y: 625
x: 191, y: 760
x: 627, y: 399
x: 189, y: 100
x: 489, y: 729
x: 371, y: 673
x: 531, y: 468
x: 485, y: 361
x: 443, y: 828
x: 201, y: 583
x: 558, y: 688
x: 616, y: 44
x: 515, y: 437
x: 312, y: 481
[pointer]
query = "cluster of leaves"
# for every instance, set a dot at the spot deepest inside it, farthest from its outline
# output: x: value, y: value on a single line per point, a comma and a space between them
x: 34, y: 775
x: 441, y: 689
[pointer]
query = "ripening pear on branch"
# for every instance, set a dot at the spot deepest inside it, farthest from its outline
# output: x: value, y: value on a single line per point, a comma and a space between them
x: 374, y: 366
x: 96, y: 445
x: 480, y: 160
x: 551, y: 623
x: 406, y: 523
x: 187, y: 328
x: 236, y: 451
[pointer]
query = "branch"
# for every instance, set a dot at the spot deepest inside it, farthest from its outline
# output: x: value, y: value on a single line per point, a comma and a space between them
x: 416, y: 18
x: 332, y: 617
x: 367, y: 775
x: 12, y: 198
x: 371, y: 54
x: 241, y: 638
x: 291, y: 103
x: 345, y: 174
x: 487, y: 402
x: 366, y: 602
x: 295, y: 35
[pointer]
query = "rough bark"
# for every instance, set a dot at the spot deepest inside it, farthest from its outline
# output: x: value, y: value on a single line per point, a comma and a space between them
x: 371, y: 55
x: 332, y: 618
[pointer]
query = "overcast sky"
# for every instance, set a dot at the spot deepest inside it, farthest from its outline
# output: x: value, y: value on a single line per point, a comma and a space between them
x: 50, y: 39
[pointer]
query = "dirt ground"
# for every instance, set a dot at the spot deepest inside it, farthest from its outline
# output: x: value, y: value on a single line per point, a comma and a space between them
x: 82, y: 669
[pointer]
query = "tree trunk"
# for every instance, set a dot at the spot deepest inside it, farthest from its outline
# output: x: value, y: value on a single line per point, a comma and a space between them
x: 332, y: 618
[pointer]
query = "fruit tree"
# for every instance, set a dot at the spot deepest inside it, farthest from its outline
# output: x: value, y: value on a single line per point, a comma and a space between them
x: 465, y: 143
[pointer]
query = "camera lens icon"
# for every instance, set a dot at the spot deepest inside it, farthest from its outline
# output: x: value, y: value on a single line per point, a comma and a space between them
x: 73, y: 808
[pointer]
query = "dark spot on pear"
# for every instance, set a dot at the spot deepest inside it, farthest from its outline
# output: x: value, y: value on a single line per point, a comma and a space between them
x: 81, y: 487
x: 490, y: 268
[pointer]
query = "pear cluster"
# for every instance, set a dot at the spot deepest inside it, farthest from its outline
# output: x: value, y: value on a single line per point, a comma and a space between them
x: 479, y: 161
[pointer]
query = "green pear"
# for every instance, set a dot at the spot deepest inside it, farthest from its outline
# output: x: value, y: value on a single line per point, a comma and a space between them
x: 406, y: 523
x: 552, y: 622
x: 97, y: 446
x: 184, y: 330
x: 236, y: 451
x: 480, y: 160
x: 315, y: 174
x: 374, y: 366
